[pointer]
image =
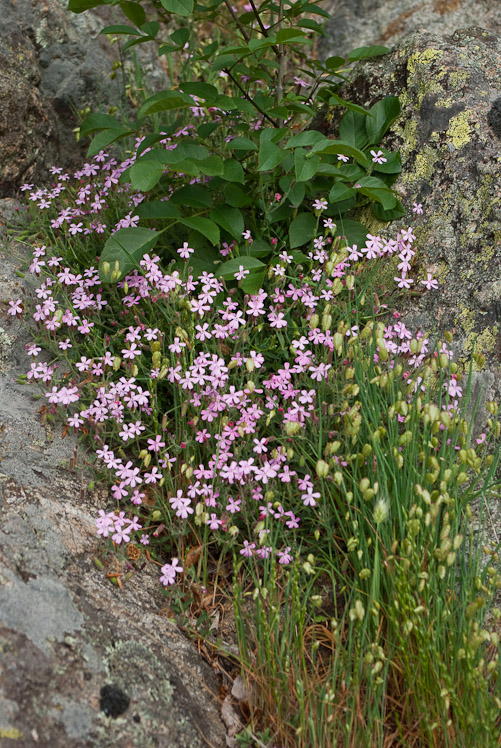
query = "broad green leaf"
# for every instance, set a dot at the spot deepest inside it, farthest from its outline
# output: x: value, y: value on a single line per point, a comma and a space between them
x: 163, y: 102
x: 151, y: 28
x: 398, y: 211
x: 204, y: 226
x: 340, y: 147
x: 228, y: 269
x: 179, y: 7
x: 306, y: 138
x: 236, y: 196
x: 79, y: 6
x: 382, y: 115
x: 103, y: 139
x: 256, y: 44
x: 120, y: 29
x: 193, y: 195
x: 329, y: 170
x: 385, y: 197
x: 258, y: 248
x: 392, y: 165
x: 242, y: 144
x: 233, y: 171
x: 99, y: 121
x: 333, y: 63
x: 335, y: 99
x: 298, y: 257
x: 351, y: 172
x: 270, y: 156
x: 202, y: 90
x: 363, y: 53
x: 155, y: 209
x: 352, y: 129
x: 145, y: 174
x: 212, y: 166
x: 291, y: 36
x: 340, y: 192
x: 123, y: 250
x: 230, y: 219
x: 180, y: 36
x: 302, y: 229
x: 207, y: 128
x: 305, y: 168
x: 296, y: 195
x: 354, y: 231
x: 253, y: 283
x: 134, y: 11
x: 134, y: 42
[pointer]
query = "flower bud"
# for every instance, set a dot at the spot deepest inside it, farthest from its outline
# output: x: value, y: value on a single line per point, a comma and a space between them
x: 322, y: 469
x: 105, y: 267
x: 314, y: 320
x: 117, y: 361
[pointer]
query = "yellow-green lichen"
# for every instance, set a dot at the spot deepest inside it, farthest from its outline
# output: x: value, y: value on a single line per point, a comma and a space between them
x: 12, y: 733
x: 484, y: 342
x: 423, y: 166
x: 466, y: 319
x: 423, y: 58
x: 459, y: 131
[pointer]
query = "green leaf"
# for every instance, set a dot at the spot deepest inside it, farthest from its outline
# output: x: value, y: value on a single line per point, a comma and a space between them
x: 258, y: 248
x: 179, y: 7
x: 383, y: 114
x: 354, y: 231
x: 124, y: 249
x: 385, y: 197
x: 306, y: 138
x: 352, y: 129
x: 333, y: 63
x: 98, y: 121
x: 103, y: 139
x: 253, y: 283
x: 302, y: 229
x: 339, y: 146
x: 233, y: 171
x: 180, y: 36
x: 291, y: 35
x: 237, y: 197
x: 134, y: 12
x: 393, y: 164
x: 212, y: 166
x: 193, y: 195
x: 363, y: 53
x: 228, y: 269
x: 305, y: 168
x: 340, y: 192
x: 120, y: 29
x: 241, y: 144
x: 145, y: 174
x: 393, y: 214
x: 329, y: 170
x: 157, y: 209
x: 207, y: 128
x: 202, y: 90
x: 163, y: 102
x: 337, y: 100
x: 296, y: 195
x: 270, y: 156
x: 151, y: 28
x: 230, y: 219
x: 79, y: 6
x: 204, y: 226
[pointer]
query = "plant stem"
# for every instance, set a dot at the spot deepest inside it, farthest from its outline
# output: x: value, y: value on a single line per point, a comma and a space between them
x: 246, y: 95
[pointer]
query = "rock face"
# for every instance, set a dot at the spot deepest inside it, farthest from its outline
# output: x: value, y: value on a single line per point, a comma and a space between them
x: 358, y: 23
x: 449, y: 136
x: 53, y: 62
x: 82, y: 662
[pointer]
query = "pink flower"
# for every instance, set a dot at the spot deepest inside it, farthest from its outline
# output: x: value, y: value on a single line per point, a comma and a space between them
x: 417, y: 208
x: 378, y: 157
x: 430, y: 282
x: 169, y: 572
x: 15, y: 308
x: 185, y: 251
x: 241, y: 273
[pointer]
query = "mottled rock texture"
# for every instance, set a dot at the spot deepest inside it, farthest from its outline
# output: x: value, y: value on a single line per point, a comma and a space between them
x: 449, y: 136
x: 82, y: 663
x: 357, y: 23
x: 52, y: 63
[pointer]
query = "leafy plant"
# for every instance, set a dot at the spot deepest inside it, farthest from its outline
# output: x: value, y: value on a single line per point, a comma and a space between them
x: 252, y: 136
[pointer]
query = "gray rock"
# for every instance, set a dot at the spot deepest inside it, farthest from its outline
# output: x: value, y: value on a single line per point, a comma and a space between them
x: 450, y: 89
x: 54, y: 63
x: 82, y: 662
x: 358, y: 23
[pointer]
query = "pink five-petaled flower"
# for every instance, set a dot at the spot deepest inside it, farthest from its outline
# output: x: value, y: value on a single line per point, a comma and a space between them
x: 285, y: 556
x: 378, y: 158
x: 430, y: 282
x: 247, y: 235
x: 241, y: 273
x: 320, y: 204
x: 185, y: 251
x: 15, y: 308
x: 169, y: 572
x: 417, y: 208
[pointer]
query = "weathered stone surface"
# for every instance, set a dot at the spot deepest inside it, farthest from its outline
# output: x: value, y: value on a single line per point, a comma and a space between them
x: 448, y: 135
x: 53, y: 62
x: 358, y: 23
x: 82, y: 663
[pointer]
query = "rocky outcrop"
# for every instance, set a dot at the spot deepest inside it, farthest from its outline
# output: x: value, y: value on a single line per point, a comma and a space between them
x: 53, y: 63
x: 82, y: 662
x: 449, y: 136
x: 358, y: 23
